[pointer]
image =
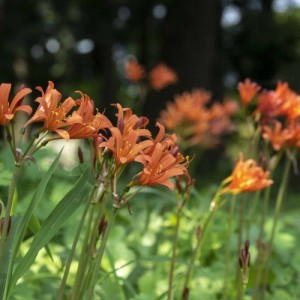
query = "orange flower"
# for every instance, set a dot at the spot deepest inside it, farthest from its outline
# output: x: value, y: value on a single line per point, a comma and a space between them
x: 8, y: 111
x: 125, y: 147
x: 162, y: 76
x: 53, y: 113
x: 247, y: 90
x: 196, y: 124
x: 161, y: 166
x: 188, y: 107
x: 133, y: 70
x: 167, y: 141
x: 125, y: 137
x: 281, y: 102
x: 247, y: 177
x: 128, y: 121
x: 91, y: 124
x: 283, y: 137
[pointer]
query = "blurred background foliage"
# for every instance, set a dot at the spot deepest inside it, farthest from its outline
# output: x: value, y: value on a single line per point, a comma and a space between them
x: 211, y: 44
x: 82, y: 45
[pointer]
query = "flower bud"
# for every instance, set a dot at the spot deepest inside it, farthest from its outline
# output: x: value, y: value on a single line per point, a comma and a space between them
x: 80, y: 155
x: 102, y: 226
x: 244, y: 261
x: 2, y: 225
x: 198, y: 232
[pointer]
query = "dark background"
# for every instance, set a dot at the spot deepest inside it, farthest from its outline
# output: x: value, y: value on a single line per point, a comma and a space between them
x: 81, y: 45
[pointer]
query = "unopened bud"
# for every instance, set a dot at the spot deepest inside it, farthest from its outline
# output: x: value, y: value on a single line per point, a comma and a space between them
x: 120, y: 125
x: 80, y: 155
x: 198, y: 232
x: 185, y: 294
x: 22, y: 131
x: 2, y: 226
x: 244, y: 261
x: 263, y: 161
x: 140, y: 123
x: 102, y: 226
x: 174, y: 151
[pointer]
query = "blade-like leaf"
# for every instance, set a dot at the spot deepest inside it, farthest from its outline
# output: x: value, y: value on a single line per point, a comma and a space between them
x: 60, y: 214
x: 34, y: 226
x: 38, y: 195
x: 6, y: 262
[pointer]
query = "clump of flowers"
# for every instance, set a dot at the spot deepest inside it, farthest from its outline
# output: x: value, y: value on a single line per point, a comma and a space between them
x: 277, y: 111
x: 9, y: 110
x: 196, y: 123
x: 159, y: 77
x: 162, y: 76
x: 115, y: 145
x: 247, y: 176
x: 133, y: 70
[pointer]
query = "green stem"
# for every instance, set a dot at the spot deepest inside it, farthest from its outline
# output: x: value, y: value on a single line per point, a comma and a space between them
x: 213, y: 207
x: 11, y: 193
x: 97, y: 262
x: 72, y: 252
x: 96, y: 197
x: 252, y: 215
x: 90, y: 253
x: 33, y: 148
x: 240, y: 238
x: 10, y: 142
x: 276, y: 215
x: 172, y: 262
x: 228, y: 246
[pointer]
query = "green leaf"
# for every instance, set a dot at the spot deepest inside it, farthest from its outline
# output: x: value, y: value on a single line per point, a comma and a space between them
x: 34, y: 226
x: 19, y: 228
x: 38, y: 195
x: 60, y: 214
x: 6, y: 261
x: 5, y: 176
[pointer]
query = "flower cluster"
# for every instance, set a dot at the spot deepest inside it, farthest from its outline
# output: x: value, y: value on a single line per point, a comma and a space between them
x: 194, y: 122
x: 128, y: 140
x: 159, y: 77
x: 246, y: 176
x: 278, y: 112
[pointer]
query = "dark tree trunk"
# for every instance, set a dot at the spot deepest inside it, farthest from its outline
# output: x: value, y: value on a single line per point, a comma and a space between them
x: 190, y: 45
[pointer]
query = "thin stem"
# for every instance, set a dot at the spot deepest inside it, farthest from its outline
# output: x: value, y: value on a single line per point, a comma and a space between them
x: 11, y: 193
x: 240, y: 238
x: 82, y: 265
x: 90, y: 253
x: 252, y: 215
x: 213, y: 207
x: 276, y: 215
x: 72, y: 252
x: 30, y: 149
x: 98, y: 259
x: 13, y: 138
x: 9, y: 140
x: 172, y: 262
x: 228, y: 246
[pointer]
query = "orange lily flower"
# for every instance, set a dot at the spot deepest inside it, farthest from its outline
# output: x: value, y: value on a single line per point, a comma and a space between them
x: 8, y: 111
x: 125, y: 147
x: 247, y: 90
x: 133, y: 70
x: 247, y: 177
x: 283, y: 137
x: 128, y: 121
x: 160, y: 167
x: 162, y: 76
x: 53, y: 113
x: 91, y: 124
x: 167, y: 141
